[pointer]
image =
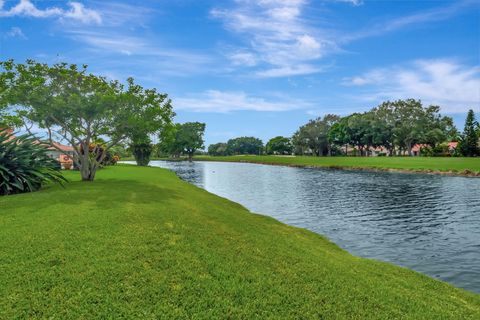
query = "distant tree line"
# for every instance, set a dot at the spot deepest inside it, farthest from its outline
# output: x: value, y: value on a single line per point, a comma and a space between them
x: 393, y: 127
x: 241, y: 145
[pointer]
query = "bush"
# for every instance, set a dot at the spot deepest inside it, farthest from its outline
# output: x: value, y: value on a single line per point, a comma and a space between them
x: 25, y: 165
x: 440, y: 150
x: 142, y: 152
x: 110, y: 159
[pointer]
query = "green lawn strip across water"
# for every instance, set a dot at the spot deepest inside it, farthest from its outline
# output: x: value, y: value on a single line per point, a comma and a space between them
x: 141, y: 243
x: 447, y: 165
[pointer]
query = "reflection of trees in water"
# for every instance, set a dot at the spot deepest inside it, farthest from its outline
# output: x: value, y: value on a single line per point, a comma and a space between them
x: 189, y: 171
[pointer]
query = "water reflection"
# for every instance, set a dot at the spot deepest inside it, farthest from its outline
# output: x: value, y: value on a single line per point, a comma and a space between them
x: 424, y: 222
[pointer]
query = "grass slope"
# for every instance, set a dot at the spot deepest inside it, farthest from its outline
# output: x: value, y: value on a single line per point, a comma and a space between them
x: 140, y: 243
x: 427, y: 164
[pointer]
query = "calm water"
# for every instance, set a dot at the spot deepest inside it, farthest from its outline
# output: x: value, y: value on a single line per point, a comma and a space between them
x: 427, y: 223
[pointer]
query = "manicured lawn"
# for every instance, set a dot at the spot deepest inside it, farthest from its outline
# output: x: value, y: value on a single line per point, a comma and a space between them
x: 140, y: 243
x: 401, y: 163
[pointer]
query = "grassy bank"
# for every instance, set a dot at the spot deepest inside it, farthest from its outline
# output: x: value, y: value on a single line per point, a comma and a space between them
x: 453, y: 166
x: 140, y: 243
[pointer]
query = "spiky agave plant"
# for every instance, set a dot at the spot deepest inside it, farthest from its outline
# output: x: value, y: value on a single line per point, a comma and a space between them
x: 25, y: 165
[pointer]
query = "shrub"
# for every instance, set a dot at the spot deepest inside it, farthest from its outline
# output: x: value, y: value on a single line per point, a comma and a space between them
x: 142, y: 151
x: 110, y: 159
x: 25, y: 165
x: 440, y: 150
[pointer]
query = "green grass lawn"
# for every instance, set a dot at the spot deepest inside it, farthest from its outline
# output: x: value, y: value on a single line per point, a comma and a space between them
x: 140, y: 243
x: 458, y: 165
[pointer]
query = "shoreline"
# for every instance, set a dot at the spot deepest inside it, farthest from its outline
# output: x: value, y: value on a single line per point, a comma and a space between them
x: 452, y: 173
x: 172, y: 243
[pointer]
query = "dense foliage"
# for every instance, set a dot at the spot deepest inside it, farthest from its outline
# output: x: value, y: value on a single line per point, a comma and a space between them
x: 217, y: 149
x: 279, y: 145
x: 79, y: 107
x: 244, y: 145
x: 313, y: 136
x: 393, y: 126
x: 469, y: 144
x: 142, y: 150
x: 182, y: 139
x: 24, y: 165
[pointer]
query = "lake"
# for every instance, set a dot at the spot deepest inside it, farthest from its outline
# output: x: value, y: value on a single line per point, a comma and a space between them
x: 428, y: 223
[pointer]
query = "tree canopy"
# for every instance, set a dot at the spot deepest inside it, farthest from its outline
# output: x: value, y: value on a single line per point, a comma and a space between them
x: 469, y: 142
x: 313, y: 136
x: 78, y: 107
x: 244, y: 145
x: 182, y: 139
x: 279, y: 145
x: 393, y: 125
x: 217, y: 149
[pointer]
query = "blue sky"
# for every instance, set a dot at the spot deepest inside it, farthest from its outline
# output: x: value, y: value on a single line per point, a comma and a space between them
x: 262, y: 67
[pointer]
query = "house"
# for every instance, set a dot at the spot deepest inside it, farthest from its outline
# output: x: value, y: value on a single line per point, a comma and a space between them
x: 378, y: 151
x: 62, y: 153
x: 417, y: 148
x: 452, y: 146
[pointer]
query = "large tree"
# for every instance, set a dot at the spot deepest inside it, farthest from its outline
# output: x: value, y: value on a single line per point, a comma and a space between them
x: 437, y: 128
x: 7, y: 118
x: 314, y: 136
x: 78, y: 107
x: 182, y: 139
x: 469, y: 142
x: 244, y: 145
x: 383, y: 124
x: 339, y: 134
x: 279, y: 145
x: 190, y: 137
x: 217, y: 149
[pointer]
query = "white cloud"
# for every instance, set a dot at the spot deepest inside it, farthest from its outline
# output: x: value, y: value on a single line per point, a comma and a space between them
x: 279, y: 41
x: 108, y: 42
x: 15, y: 32
x: 353, y: 2
x: 286, y: 71
x: 245, y: 59
x: 447, y: 83
x: 82, y: 14
x: 117, y: 14
x: 221, y: 101
x: 133, y: 52
x: 77, y: 12
x: 436, y: 14
x: 376, y: 76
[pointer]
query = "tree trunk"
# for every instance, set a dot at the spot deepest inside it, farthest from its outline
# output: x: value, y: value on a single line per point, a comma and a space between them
x: 409, y: 148
x: 88, y: 167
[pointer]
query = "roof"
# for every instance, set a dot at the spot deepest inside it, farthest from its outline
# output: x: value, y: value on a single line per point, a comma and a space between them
x: 418, y: 146
x: 56, y: 146
x: 61, y: 147
x: 452, y: 145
